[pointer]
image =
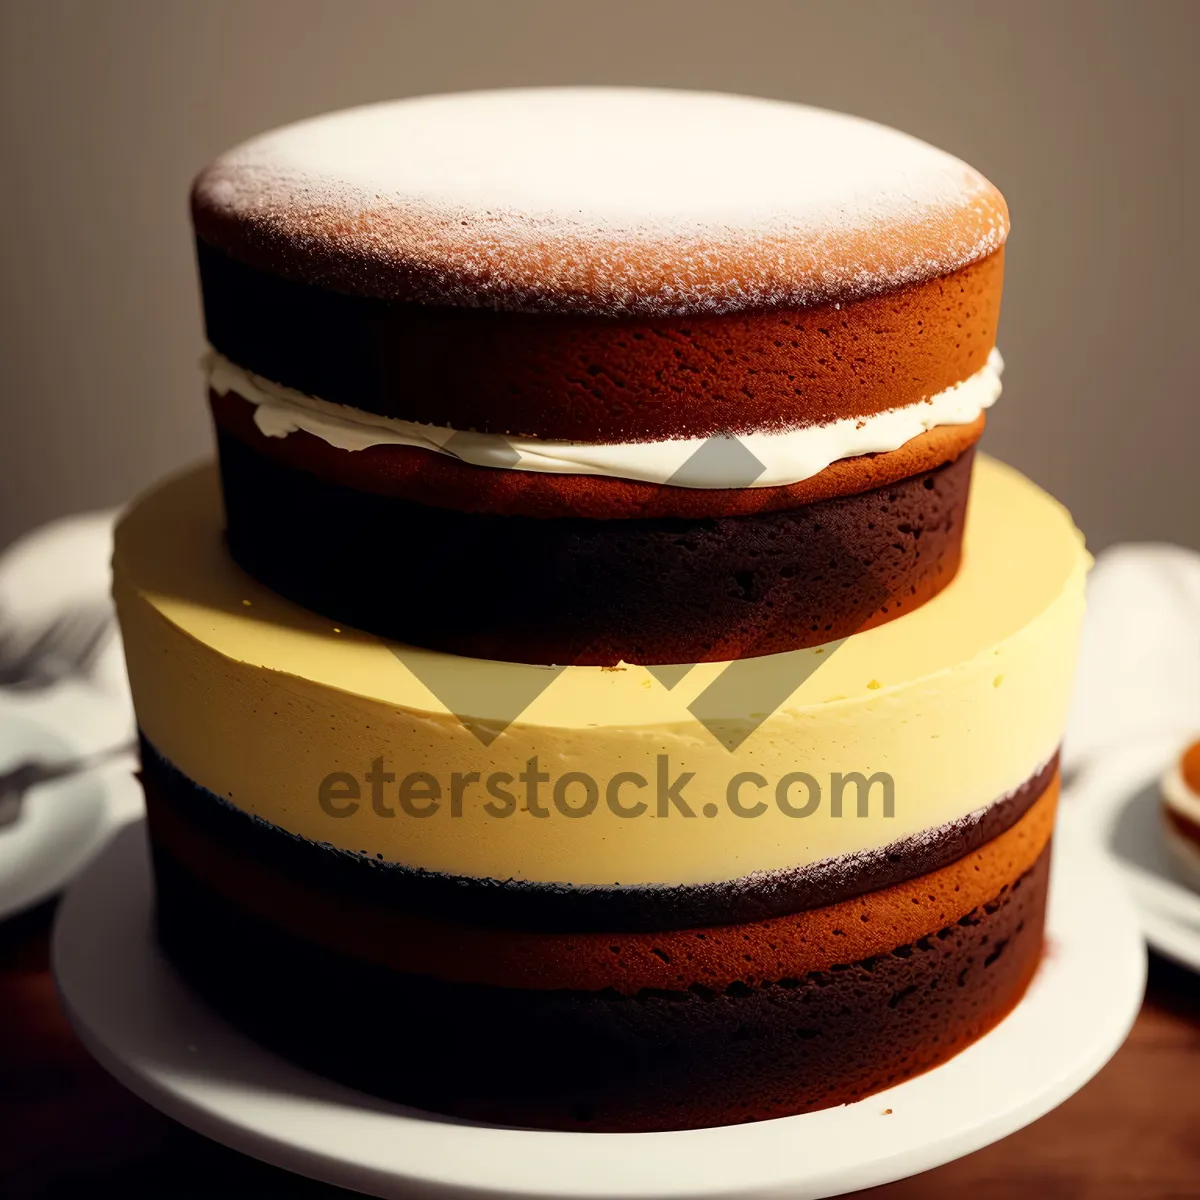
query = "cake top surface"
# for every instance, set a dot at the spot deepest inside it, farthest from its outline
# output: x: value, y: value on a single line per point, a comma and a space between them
x: 608, y: 200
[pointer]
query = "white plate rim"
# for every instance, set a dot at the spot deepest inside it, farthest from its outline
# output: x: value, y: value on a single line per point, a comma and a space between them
x: 143, y: 1025
x: 1167, y: 909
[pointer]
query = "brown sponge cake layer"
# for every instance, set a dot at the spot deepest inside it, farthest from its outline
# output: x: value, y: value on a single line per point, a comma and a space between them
x: 662, y: 1058
x: 596, y: 378
x: 580, y: 591
x: 506, y: 928
x: 442, y: 481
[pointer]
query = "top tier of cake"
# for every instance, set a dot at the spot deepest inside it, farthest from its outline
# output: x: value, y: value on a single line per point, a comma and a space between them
x: 689, y: 366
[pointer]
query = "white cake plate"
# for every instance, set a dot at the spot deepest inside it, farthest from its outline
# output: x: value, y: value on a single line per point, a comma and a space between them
x: 1116, y: 804
x: 148, y: 1029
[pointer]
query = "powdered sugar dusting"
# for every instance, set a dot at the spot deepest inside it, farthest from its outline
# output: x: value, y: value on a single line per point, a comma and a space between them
x: 599, y: 199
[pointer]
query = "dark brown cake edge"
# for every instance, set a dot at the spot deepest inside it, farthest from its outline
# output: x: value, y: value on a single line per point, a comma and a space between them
x: 600, y: 1061
x: 584, y: 592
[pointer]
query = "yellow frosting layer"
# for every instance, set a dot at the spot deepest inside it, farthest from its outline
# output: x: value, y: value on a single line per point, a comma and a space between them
x: 285, y: 714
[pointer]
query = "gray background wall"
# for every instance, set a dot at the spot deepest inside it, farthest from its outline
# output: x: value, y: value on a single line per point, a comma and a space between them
x: 1084, y: 113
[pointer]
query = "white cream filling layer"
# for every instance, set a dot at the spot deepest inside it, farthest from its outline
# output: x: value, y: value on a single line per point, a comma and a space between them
x: 744, y: 460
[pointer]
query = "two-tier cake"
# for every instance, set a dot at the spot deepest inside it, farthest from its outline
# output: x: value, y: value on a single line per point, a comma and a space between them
x: 600, y: 688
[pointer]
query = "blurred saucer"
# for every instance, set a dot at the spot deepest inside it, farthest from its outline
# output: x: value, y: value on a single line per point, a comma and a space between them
x: 63, y: 824
x: 1116, y: 803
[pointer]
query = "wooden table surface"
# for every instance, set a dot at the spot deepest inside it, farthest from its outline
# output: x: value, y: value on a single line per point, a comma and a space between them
x: 68, y: 1129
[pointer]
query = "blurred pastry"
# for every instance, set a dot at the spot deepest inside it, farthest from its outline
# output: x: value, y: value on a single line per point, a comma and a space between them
x: 1181, y: 815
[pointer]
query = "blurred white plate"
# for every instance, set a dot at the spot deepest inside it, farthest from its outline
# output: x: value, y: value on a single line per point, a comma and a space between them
x: 62, y: 824
x: 136, y: 1016
x: 1115, y: 803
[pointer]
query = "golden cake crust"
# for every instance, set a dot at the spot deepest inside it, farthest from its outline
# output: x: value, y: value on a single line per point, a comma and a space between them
x: 605, y: 200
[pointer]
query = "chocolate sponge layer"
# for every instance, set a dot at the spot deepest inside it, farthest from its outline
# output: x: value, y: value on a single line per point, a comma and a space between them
x: 598, y: 378
x: 579, y: 591
x: 598, y: 1060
